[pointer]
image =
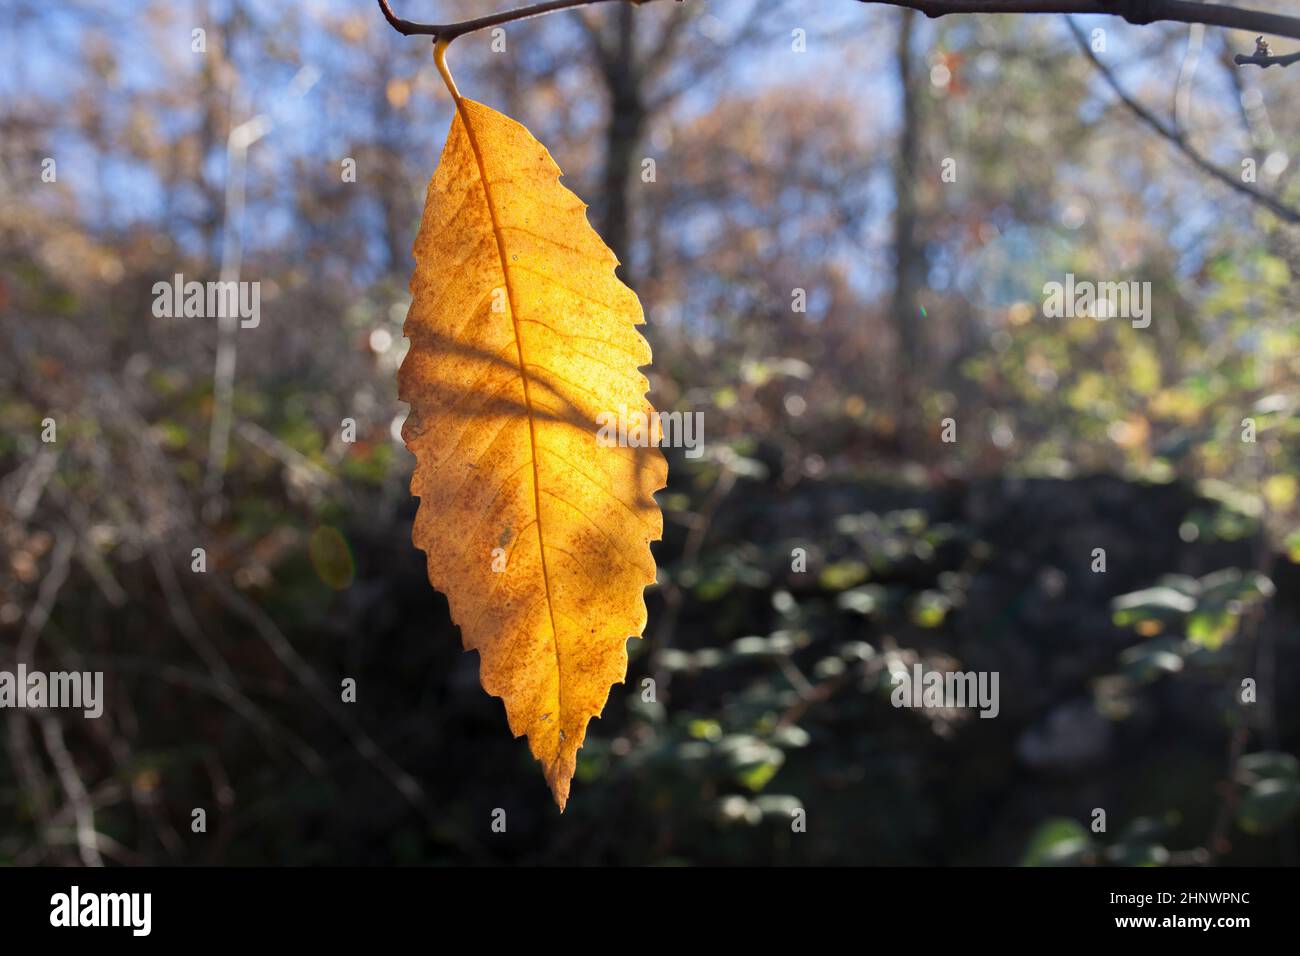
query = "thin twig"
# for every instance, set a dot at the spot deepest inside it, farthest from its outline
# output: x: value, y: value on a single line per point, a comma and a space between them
x: 674, y: 597
x: 75, y: 788
x: 46, y: 597
x: 1140, y: 12
x: 238, y: 142
x: 226, y: 684
x: 1186, y: 76
x: 34, y: 483
x: 1178, y: 139
x: 31, y: 776
x: 288, y: 655
x: 449, y: 31
x: 1258, y: 60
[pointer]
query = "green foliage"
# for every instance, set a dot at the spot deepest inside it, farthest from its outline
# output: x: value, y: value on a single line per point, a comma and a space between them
x: 1271, y: 782
x: 1208, y: 611
x: 1059, y: 842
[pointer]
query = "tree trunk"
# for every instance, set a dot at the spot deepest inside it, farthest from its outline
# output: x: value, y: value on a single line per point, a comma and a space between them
x: 627, y: 115
x: 909, y: 265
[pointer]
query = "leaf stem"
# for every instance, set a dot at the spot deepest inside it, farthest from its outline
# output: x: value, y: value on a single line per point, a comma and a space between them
x: 440, y: 58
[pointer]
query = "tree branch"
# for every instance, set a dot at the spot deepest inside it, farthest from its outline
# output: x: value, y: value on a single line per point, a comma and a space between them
x: 1259, y: 60
x: 1178, y: 139
x: 1263, y: 56
x: 1134, y: 11
x: 449, y: 31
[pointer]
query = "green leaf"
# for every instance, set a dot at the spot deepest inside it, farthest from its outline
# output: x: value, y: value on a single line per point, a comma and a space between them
x: 1268, y: 805
x: 791, y: 737
x: 842, y: 575
x: 1233, y: 584
x: 1145, y: 663
x: 1266, y: 765
x: 1293, y: 546
x: 1137, y: 854
x: 1163, y: 604
x: 1058, y: 842
x: 930, y: 609
x: 1210, y: 629
x: 778, y: 805
x: 866, y: 600
x: 735, y: 809
x: 1146, y: 830
x: 703, y: 729
x: 753, y: 762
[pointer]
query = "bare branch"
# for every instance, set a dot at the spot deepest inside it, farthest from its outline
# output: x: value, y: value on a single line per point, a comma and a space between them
x: 449, y: 31
x: 1178, y: 139
x: 288, y: 655
x: 75, y: 788
x: 1258, y: 60
x: 1134, y: 11
x: 1263, y: 56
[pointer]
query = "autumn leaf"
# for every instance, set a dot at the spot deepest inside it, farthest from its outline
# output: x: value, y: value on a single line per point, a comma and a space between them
x: 521, y: 337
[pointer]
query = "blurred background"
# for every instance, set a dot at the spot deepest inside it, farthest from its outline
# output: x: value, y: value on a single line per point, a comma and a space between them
x: 798, y: 154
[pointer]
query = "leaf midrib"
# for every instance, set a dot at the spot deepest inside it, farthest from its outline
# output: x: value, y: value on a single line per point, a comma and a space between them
x: 528, y: 405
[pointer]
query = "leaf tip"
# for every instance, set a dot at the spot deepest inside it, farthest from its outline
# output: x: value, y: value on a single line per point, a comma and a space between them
x: 560, y: 792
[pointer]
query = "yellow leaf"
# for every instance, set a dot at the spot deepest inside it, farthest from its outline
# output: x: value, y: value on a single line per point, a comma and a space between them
x: 521, y: 336
x: 1281, y: 491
